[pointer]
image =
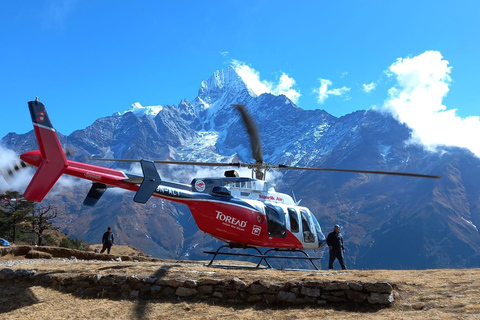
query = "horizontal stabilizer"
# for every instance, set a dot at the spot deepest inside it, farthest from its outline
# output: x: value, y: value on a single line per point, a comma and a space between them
x: 96, y: 191
x: 151, y: 180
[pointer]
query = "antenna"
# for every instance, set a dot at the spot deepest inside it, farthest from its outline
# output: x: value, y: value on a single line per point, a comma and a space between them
x: 295, y: 199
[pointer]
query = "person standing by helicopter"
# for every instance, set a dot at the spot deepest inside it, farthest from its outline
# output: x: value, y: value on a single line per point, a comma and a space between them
x: 335, y: 244
x: 107, y: 240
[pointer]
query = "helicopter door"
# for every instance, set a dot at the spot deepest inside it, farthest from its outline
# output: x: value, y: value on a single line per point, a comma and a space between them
x: 275, y: 221
x: 308, y: 233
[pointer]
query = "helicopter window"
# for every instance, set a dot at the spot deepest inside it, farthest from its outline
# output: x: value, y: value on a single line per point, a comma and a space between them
x: 275, y: 221
x: 294, y: 227
x: 307, y: 233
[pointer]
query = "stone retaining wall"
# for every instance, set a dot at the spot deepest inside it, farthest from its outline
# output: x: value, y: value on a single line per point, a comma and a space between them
x: 233, y: 291
x: 58, y: 252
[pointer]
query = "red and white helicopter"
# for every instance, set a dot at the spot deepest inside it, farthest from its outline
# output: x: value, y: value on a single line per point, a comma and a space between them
x: 243, y: 212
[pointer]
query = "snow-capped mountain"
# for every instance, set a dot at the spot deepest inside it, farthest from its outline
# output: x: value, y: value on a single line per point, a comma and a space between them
x: 140, y: 110
x: 388, y: 222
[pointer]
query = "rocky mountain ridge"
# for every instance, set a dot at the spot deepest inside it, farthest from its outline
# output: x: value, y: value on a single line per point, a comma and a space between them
x: 388, y: 222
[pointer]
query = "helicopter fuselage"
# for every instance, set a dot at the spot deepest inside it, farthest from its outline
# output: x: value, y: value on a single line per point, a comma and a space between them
x: 244, y: 211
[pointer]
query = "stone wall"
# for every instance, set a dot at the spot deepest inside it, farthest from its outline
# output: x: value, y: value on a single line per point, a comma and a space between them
x: 233, y: 291
x: 58, y: 252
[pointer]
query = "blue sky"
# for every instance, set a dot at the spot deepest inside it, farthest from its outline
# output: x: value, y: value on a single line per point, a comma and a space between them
x: 88, y: 59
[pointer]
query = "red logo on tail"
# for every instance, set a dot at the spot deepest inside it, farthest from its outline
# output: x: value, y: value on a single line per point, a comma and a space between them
x: 40, y: 116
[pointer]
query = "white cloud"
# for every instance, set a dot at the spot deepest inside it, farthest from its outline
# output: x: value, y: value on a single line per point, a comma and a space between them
x: 417, y: 100
x: 251, y: 77
x: 343, y: 75
x: 369, y: 87
x: 323, y: 91
x: 223, y: 53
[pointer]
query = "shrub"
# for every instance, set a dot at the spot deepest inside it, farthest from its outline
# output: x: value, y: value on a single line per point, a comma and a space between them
x: 48, y: 240
x: 74, y: 244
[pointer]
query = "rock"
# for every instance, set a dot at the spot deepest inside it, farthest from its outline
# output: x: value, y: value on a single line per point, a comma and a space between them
x: 190, y: 283
x: 155, y: 289
x: 380, y: 298
x: 6, y: 273
x: 238, y: 284
x: 132, y: 280
x: 185, y: 292
x: 168, y: 292
x: 24, y: 273
x: 356, y: 296
x: 332, y: 298
x: 209, y: 282
x: 287, y: 296
x: 256, y: 288
x: 311, y: 292
x: 218, y: 295
x: 145, y: 288
x: 95, y: 278
x: 121, y: 279
x: 314, y: 284
x: 149, y: 280
x: 91, y: 292
x: 337, y: 286
x: 379, y: 287
x: 107, y: 281
x: 174, y: 283
x: 274, y: 288
x: 356, y: 286
x: 205, y: 289
x: 269, y: 298
x: 134, y: 294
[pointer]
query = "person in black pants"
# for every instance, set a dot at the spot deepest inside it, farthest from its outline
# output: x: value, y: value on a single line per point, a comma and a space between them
x: 335, y: 244
x: 107, y: 240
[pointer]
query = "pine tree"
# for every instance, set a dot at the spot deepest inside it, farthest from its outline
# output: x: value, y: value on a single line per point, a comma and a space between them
x: 14, y: 210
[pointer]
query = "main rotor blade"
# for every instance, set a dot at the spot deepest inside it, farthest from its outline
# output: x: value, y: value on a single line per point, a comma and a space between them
x: 285, y: 167
x: 270, y: 167
x: 252, y: 130
x: 188, y: 163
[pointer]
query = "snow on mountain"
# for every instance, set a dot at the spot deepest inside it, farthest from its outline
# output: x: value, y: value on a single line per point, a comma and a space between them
x: 140, y: 110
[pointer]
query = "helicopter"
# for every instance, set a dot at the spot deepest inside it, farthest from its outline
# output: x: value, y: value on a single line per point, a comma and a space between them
x: 243, y: 212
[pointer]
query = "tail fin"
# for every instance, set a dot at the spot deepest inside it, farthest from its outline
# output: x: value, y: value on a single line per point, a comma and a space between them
x: 53, y: 160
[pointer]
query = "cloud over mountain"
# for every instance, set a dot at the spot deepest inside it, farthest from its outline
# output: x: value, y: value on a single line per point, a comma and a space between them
x: 251, y: 77
x: 324, y: 92
x: 423, y: 82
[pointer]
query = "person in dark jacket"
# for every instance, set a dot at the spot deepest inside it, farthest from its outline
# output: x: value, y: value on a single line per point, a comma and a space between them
x: 107, y: 240
x: 335, y: 244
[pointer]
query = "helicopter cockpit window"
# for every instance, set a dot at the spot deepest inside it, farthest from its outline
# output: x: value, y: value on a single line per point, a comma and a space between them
x: 292, y: 214
x: 307, y: 233
x: 275, y: 221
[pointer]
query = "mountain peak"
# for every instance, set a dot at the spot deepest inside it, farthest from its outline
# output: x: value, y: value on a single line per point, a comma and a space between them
x: 213, y: 88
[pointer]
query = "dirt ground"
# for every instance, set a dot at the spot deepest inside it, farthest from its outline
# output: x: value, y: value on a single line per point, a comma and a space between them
x: 421, y: 294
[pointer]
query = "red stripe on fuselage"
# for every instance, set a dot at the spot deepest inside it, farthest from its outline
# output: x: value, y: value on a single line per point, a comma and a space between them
x: 237, y: 224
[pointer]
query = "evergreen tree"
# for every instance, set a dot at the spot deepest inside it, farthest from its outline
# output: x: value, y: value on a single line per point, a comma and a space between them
x: 14, y: 211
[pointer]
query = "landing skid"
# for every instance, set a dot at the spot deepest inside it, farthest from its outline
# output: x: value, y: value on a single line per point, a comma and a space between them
x: 262, y: 256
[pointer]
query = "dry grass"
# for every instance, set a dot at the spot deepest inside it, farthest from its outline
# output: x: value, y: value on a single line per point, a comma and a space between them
x: 422, y: 294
